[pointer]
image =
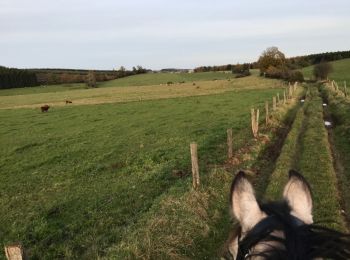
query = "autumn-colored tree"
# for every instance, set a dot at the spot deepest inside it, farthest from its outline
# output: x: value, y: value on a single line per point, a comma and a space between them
x: 91, y: 79
x: 271, y: 57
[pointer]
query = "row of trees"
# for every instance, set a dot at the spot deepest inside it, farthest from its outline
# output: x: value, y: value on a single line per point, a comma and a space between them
x: 308, y: 60
x: 14, y: 78
x: 278, y: 70
x: 60, y: 76
x: 228, y: 67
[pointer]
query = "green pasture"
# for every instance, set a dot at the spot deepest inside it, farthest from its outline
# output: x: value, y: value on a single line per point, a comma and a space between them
x: 136, y: 80
x: 74, y: 179
x: 134, y: 93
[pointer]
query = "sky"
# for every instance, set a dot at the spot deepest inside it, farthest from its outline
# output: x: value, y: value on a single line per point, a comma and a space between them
x: 107, y: 34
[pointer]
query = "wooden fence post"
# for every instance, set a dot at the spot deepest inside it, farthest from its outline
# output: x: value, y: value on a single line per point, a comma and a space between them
x: 255, y: 122
x: 195, y: 167
x: 266, y: 112
x: 284, y: 97
x: 14, y: 252
x: 274, y: 103
x: 229, y: 143
x: 252, y: 119
x: 345, y: 92
x: 278, y: 98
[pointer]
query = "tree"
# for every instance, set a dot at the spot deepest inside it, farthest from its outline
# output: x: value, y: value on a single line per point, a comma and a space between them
x: 322, y: 70
x: 271, y: 57
x: 121, y: 72
x: 91, y: 79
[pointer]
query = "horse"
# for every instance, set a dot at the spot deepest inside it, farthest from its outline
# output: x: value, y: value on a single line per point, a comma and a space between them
x: 281, y: 229
x: 44, y: 108
x: 68, y: 102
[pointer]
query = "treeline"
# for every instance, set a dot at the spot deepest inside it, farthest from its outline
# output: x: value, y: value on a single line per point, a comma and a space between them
x: 292, y: 63
x: 15, y: 78
x: 312, y: 59
x: 228, y: 67
x: 65, y: 76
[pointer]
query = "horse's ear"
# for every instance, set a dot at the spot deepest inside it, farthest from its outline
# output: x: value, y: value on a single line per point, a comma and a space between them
x: 297, y: 193
x: 244, y: 205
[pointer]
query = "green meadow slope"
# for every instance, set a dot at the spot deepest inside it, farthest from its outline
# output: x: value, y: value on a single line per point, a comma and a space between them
x: 341, y: 71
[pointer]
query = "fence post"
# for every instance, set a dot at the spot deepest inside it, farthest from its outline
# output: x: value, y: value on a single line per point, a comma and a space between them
x: 274, y: 103
x: 195, y: 167
x: 284, y: 97
x: 229, y: 143
x: 255, y: 122
x: 266, y: 112
x: 278, y: 99
x: 345, y: 92
x: 14, y: 252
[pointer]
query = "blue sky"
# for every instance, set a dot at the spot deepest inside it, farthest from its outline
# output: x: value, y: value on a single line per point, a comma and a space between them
x: 105, y: 34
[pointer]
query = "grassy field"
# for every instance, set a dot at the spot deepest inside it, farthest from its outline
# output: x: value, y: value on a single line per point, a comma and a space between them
x: 194, y: 224
x: 108, y: 176
x: 340, y: 72
x: 76, y: 178
x: 137, y: 80
x: 132, y: 93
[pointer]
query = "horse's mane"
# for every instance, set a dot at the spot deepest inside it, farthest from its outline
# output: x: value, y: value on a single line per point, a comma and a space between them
x: 300, y: 241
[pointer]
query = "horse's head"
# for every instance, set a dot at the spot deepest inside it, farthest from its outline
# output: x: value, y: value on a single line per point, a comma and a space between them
x: 281, y: 230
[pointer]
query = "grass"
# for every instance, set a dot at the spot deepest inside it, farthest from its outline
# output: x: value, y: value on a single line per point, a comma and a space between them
x: 307, y: 150
x: 76, y: 178
x: 189, y: 224
x: 340, y: 72
x: 127, y: 94
x: 286, y: 159
x: 338, y: 110
x: 137, y: 80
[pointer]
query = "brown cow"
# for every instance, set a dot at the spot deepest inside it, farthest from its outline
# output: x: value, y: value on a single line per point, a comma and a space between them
x: 68, y: 102
x: 45, y: 108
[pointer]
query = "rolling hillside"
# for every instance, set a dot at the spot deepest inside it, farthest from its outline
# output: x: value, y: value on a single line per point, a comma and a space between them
x: 340, y: 72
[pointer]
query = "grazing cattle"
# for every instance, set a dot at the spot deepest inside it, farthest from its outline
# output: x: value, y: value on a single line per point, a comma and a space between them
x: 68, y: 102
x: 281, y: 230
x: 45, y: 108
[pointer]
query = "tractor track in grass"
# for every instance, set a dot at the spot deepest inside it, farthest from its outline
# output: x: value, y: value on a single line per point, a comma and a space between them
x: 338, y: 163
x: 307, y: 149
x: 340, y: 171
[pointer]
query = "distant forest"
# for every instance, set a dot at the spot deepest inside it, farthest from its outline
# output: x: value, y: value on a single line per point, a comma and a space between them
x: 16, y: 78
x: 292, y: 63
